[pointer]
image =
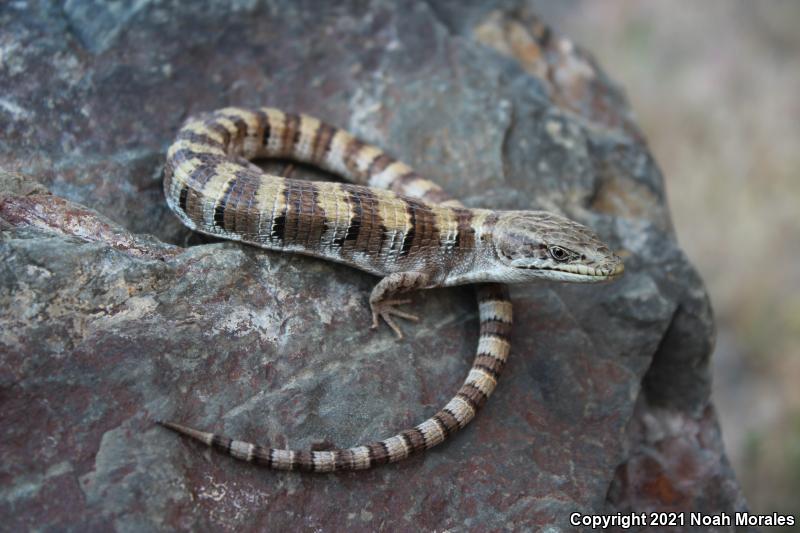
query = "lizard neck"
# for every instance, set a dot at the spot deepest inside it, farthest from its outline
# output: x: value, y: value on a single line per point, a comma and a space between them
x: 474, y: 264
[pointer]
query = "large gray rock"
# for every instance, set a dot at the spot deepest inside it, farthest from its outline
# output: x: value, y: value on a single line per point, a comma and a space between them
x: 109, y: 320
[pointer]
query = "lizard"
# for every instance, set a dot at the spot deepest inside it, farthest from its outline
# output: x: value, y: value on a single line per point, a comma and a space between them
x: 388, y: 221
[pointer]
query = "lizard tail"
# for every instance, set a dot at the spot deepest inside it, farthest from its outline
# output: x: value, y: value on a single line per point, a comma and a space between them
x: 493, y: 348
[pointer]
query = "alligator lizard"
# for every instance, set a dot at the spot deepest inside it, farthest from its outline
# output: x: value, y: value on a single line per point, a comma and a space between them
x: 389, y: 221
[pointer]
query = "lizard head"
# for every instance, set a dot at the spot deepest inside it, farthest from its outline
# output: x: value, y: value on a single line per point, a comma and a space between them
x: 537, y: 245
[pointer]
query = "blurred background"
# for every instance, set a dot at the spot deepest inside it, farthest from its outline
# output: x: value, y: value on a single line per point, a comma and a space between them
x: 715, y: 86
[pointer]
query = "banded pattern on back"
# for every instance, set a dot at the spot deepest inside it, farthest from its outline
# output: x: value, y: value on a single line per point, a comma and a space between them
x: 389, y: 220
x: 214, y: 189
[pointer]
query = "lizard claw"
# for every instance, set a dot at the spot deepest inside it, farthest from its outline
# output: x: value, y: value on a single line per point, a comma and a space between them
x: 386, y: 309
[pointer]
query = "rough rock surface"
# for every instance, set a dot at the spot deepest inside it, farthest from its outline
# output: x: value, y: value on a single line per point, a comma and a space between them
x: 111, y: 314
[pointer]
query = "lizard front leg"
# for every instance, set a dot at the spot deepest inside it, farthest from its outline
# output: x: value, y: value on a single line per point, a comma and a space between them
x: 384, y: 305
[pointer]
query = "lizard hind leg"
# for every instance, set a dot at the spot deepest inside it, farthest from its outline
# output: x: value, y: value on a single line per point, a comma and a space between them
x: 383, y: 303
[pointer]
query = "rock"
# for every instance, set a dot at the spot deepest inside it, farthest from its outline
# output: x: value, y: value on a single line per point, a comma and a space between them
x: 108, y: 320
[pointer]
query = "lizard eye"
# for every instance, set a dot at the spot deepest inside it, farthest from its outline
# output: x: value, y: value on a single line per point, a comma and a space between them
x: 558, y: 253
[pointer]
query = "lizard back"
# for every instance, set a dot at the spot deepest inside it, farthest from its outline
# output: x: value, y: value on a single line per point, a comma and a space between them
x: 211, y: 185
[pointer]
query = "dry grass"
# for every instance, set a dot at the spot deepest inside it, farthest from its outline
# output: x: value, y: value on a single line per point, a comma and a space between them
x: 716, y: 87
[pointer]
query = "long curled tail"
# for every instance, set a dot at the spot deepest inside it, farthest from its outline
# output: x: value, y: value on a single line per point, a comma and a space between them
x: 493, y: 348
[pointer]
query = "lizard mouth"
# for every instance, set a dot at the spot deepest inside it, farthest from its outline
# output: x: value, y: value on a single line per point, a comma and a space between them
x: 578, y: 272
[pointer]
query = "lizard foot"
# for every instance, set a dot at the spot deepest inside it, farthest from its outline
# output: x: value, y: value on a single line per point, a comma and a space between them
x: 386, y: 309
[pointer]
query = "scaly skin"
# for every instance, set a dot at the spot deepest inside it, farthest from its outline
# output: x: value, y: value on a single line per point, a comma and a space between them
x: 390, y: 222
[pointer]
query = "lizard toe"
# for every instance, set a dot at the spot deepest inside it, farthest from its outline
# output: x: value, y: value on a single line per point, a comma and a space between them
x: 387, y: 310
